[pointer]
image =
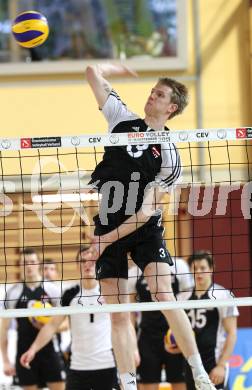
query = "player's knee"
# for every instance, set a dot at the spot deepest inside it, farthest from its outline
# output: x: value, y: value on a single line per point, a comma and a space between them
x: 163, y: 296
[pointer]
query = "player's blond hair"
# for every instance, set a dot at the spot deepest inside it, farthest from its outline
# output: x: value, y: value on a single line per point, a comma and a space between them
x: 179, y: 94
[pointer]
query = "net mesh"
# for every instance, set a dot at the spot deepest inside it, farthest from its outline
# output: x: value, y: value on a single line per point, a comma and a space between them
x: 44, y: 205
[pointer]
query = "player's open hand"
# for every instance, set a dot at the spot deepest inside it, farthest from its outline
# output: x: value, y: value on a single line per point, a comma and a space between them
x: 217, y: 375
x: 9, y: 369
x: 27, y: 357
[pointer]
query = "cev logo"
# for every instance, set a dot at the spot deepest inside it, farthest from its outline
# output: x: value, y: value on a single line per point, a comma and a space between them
x: 202, y: 134
x: 93, y: 140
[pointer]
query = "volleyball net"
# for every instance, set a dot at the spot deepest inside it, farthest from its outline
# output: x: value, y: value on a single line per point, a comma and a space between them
x: 45, y: 205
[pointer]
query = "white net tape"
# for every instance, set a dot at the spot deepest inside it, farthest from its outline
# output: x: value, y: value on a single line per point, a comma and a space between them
x: 126, y: 307
x: 198, y: 135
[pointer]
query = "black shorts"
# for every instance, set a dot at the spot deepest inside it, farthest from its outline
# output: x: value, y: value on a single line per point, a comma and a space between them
x: 46, y: 367
x: 145, y: 245
x: 154, y: 357
x: 105, y: 379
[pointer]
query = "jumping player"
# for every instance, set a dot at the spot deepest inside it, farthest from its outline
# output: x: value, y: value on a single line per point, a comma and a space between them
x: 131, y: 180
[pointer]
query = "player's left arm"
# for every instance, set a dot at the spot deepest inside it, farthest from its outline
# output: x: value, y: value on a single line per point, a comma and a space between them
x: 151, y: 204
x: 217, y: 375
x: 43, y: 337
x: 168, y: 175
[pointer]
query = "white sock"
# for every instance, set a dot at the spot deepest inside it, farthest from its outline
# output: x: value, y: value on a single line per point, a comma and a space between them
x: 128, y: 381
x: 196, y: 365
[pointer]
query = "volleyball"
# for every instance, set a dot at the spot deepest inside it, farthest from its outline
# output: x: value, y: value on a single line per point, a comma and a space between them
x: 40, y: 320
x: 170, y: 339
x: 30, y: 29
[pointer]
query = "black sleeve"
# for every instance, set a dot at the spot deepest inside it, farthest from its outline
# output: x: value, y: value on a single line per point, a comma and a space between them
x: 69, y: 295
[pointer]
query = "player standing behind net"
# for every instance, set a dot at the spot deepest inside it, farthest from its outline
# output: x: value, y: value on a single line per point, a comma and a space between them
x: 127, y: 228
x: 92, y: 363
x: 48, y: 367
x: 50, y: 272
x: 214, y: 328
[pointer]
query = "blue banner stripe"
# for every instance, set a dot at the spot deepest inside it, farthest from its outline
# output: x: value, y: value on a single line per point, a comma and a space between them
x: 27, y: 36
x: 28, y: 16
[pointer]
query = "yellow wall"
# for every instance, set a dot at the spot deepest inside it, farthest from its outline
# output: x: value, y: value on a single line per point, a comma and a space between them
x: 46, y: 107
x: 64, y: 104
x: 64, y: 109
x: 226, y: 70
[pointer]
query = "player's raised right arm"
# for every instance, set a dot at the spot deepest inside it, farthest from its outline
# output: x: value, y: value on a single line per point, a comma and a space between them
x: 96, y: 76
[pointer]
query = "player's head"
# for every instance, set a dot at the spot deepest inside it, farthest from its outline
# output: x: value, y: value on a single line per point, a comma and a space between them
x: 29, y: 264
x: 50, y: 271
x: 83, y: 260
x: 201, y: 265
x: 168, y: 98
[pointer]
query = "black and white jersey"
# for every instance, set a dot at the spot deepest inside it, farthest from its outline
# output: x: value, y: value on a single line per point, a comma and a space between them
x: 91, y: 347
x: 21, y: 296
x: 154, y: 322
x: 207, y: 323
x: 141, y: 164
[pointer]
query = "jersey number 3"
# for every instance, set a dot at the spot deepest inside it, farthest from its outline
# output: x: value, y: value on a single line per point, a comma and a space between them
x: 162, y: 253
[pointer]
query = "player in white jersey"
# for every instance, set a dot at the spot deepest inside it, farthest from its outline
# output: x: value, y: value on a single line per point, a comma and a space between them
x: 214, y: 328
x: 92, y: 364
x: 152, y: 328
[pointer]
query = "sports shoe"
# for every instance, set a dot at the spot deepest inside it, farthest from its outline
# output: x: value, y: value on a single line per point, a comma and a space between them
x: 202, y: 382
